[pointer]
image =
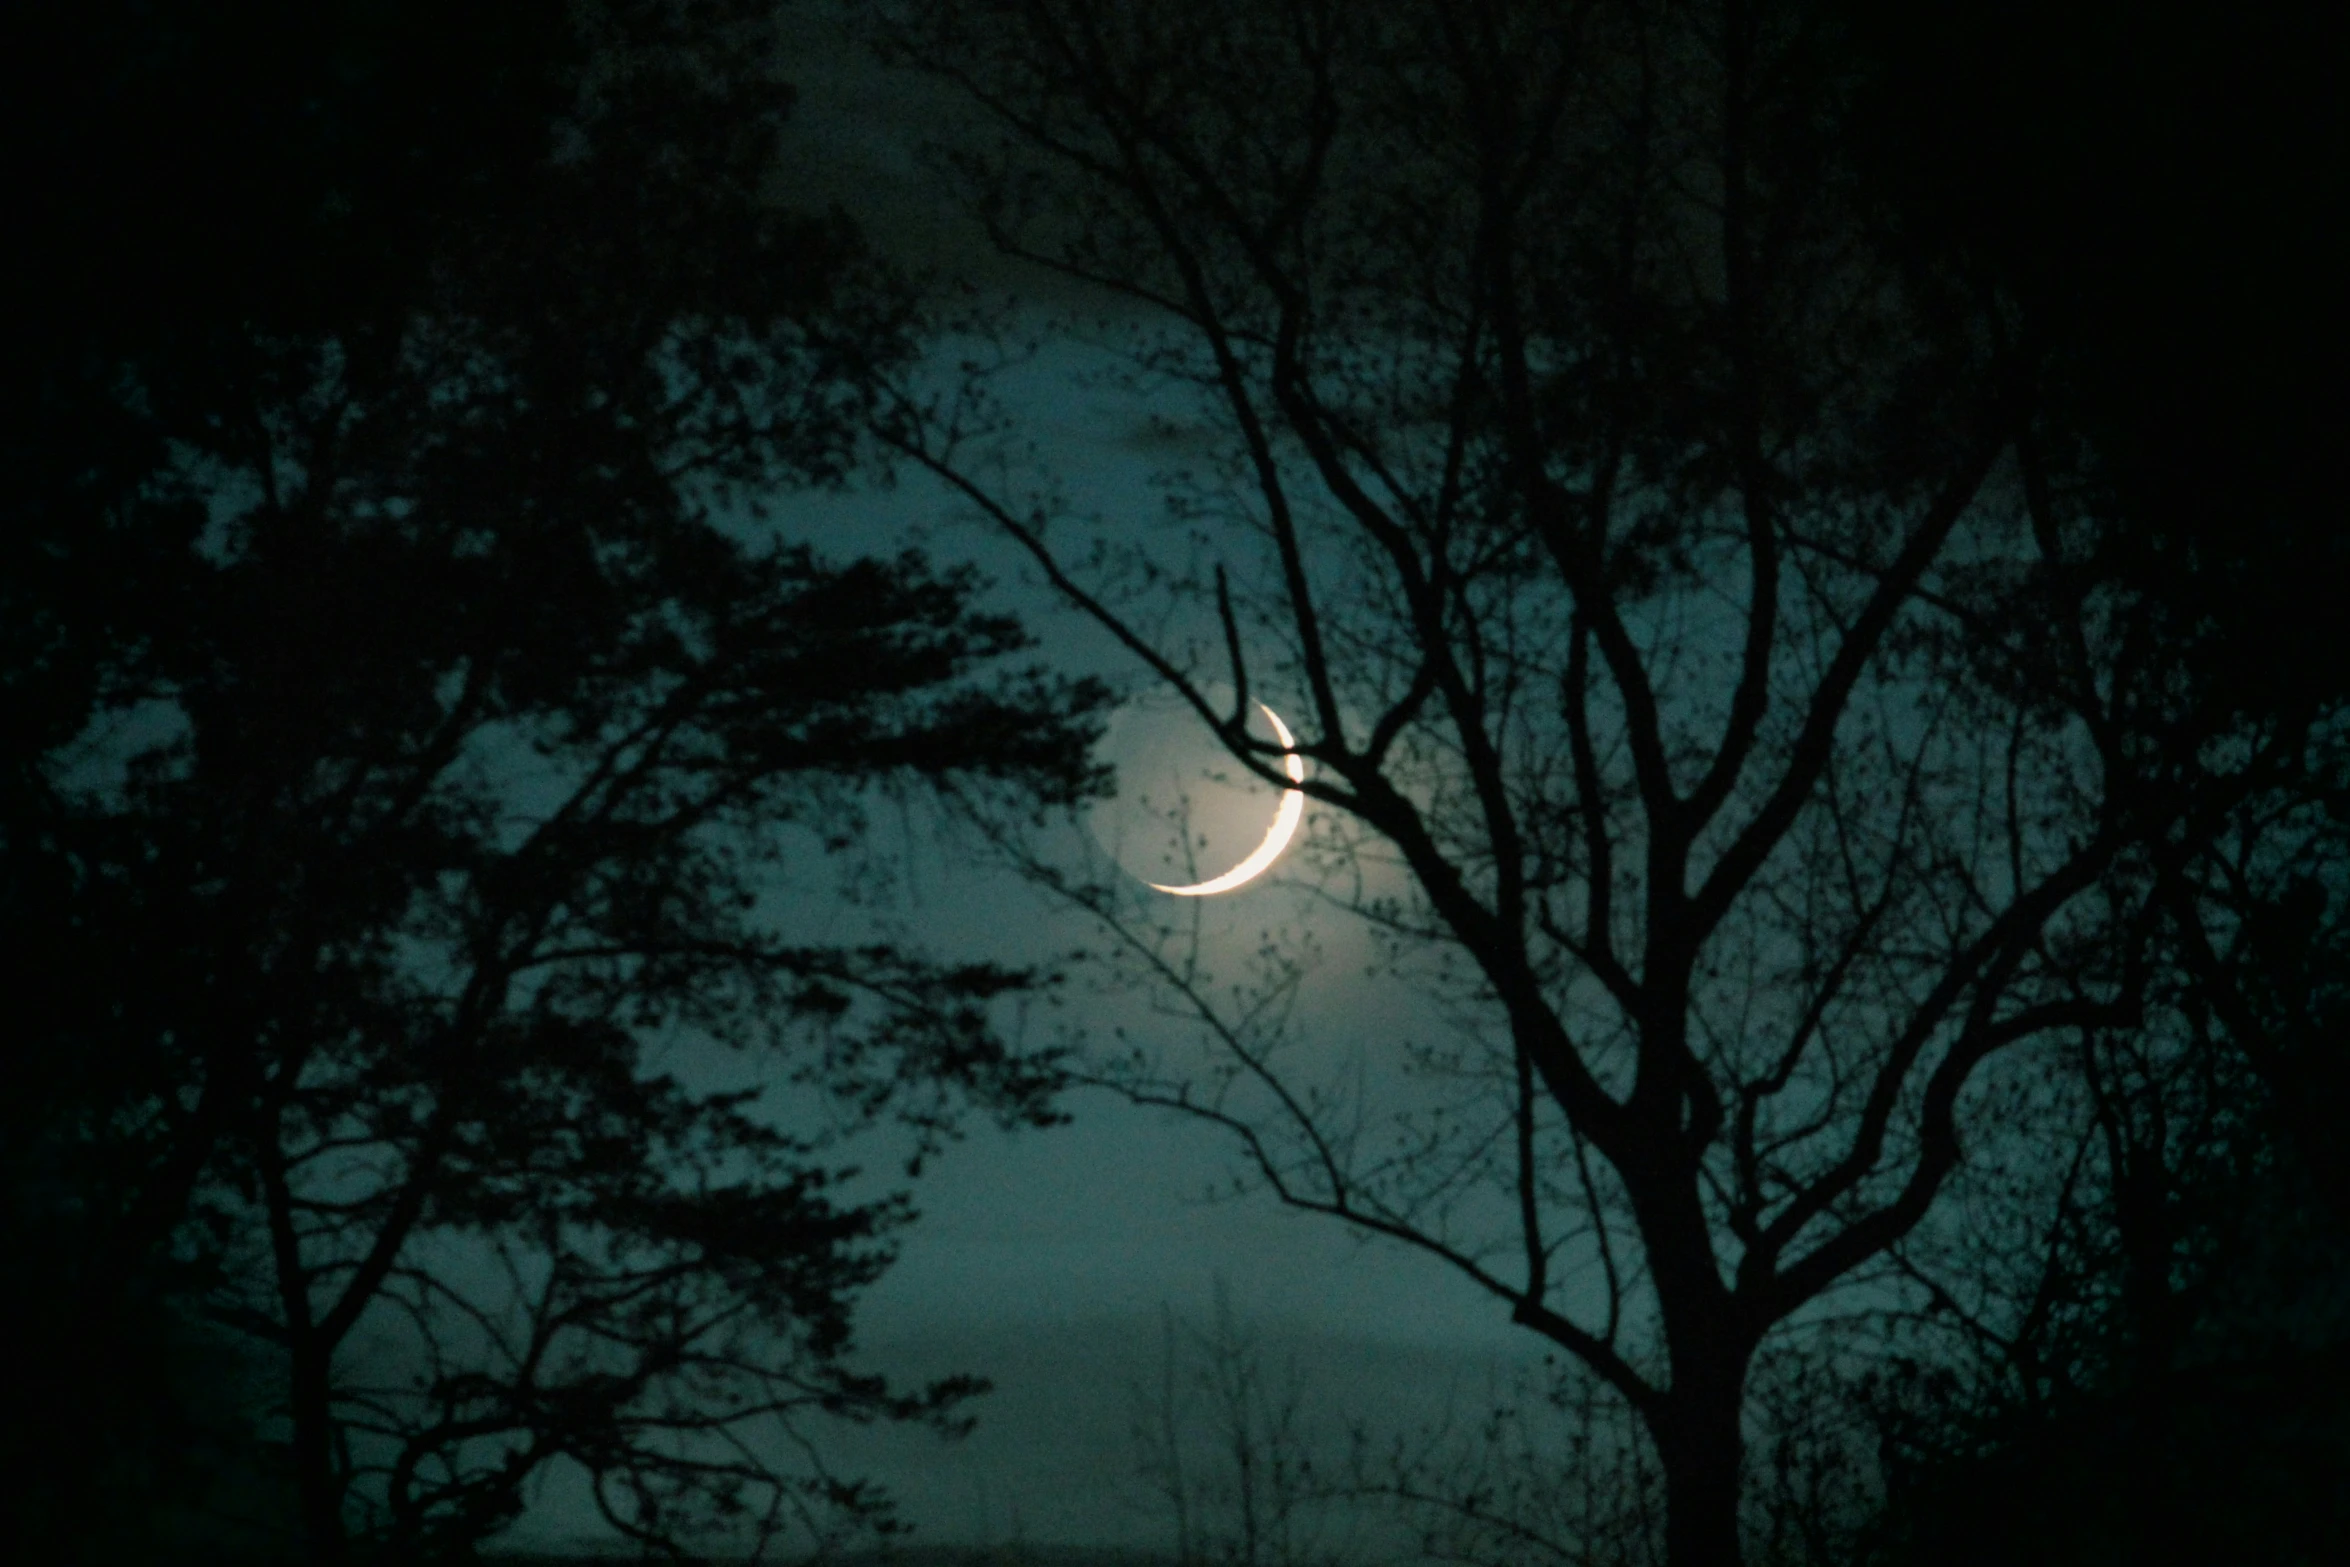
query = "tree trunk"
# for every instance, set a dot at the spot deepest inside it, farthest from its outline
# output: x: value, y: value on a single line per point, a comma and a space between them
x: 316, y: 1482
x: 1710, y: 1339
x: 1698, y: 1438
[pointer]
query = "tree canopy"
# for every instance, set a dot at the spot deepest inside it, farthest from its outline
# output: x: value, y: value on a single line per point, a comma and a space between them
x: 1728, y: 582
x: 419, y: 735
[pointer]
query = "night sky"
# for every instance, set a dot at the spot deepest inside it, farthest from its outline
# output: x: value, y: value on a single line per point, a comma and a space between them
x: 2157, y: 1165
x: 1044, y: 1259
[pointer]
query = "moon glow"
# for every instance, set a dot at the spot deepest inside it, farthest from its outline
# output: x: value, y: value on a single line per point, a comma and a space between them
x: 1277, y: 836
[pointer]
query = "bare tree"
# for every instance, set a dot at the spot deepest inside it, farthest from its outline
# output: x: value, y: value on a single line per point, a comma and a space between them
x: 2143, y: 1349
x: 1159, y: 1442
x: 1227, y: 1441
x: 1551, y: 1468
x: 1703, y: 642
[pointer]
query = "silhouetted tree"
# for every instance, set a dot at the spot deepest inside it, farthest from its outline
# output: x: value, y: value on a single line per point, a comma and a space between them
x: 420, y: 754
x: 2039, y: 149
x: 1694, y: 594
x: 2143, y: 1349
x: 2158, y: 1374
x: 2162, y: 1382
x: 1227, y: 1441
x: 1552, y: 1468
x: 2182, y: 266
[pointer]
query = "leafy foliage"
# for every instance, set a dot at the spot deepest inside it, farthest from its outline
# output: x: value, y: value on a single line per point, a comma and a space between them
x: 419, y: 735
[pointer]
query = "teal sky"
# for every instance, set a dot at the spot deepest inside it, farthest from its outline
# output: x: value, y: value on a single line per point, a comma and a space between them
x: 1043, y: 1259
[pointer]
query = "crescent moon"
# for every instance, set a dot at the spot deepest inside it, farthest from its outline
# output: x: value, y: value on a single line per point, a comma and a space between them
x: 1277, y: 836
